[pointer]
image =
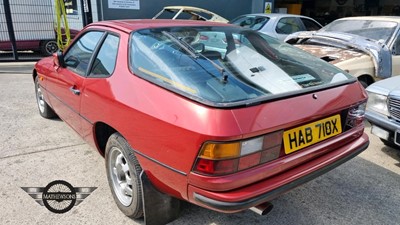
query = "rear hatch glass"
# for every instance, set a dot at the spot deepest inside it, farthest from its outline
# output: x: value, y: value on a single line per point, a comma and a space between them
x: 227, y: 66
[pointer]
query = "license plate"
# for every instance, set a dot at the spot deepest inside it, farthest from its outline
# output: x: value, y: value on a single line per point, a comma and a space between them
x: 306, y: 135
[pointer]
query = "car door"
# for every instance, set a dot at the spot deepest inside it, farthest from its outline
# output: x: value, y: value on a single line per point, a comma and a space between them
x: 66, y: 84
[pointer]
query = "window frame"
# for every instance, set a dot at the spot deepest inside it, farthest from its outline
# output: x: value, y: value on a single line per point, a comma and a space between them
x: 95, y: 51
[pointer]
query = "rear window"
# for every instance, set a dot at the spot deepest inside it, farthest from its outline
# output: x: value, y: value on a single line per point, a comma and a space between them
x: 227, y: 66
x: 252, y: 22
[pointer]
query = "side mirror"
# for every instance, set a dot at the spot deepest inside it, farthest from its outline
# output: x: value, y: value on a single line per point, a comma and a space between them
x: 59, y: 59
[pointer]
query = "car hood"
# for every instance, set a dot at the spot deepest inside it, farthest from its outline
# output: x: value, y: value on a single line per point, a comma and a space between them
x: 332, y: 55
x: 378, y: 50
x: 384, y: 87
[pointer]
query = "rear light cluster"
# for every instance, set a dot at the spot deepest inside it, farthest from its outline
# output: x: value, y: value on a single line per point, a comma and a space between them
x: 221, y: 158
x: 355, y: 115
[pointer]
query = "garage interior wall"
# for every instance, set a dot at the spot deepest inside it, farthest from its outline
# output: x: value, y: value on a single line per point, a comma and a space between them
x: 347, y: 8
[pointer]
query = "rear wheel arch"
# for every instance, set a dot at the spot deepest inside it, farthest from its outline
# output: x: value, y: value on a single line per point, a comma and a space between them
x: 366, y: 80
x: 102, y: 133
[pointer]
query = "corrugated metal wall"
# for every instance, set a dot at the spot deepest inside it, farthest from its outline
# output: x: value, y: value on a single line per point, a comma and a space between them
x: 3, y: 24
x: 32, y: 20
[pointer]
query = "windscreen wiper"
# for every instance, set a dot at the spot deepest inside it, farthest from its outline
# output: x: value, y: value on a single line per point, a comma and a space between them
x: 192, y: 52
x: 183, y: 44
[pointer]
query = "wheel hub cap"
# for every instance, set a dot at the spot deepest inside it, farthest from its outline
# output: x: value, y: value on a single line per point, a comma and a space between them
x: 120, y: 176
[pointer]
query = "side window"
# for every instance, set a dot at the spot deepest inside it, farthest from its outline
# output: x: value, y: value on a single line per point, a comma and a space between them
x: 255, y: 23
x: 104, y: 63
x: 78, y: 56
x: 288, y: 25
x: 259, y: 23
x: 310, y: 25
x: 241, y: 21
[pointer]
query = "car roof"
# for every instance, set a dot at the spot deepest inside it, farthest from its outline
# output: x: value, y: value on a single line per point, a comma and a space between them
x: 274, y: 15
x: 137, y: 24
x: 377, y: 18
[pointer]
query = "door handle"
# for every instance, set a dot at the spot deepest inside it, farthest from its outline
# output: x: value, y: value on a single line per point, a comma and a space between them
x: 74, y: 90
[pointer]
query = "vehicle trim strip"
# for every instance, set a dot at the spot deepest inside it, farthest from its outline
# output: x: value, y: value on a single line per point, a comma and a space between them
x: 160, y: 163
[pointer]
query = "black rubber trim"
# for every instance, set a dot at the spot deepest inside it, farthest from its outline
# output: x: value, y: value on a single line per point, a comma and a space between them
x: 160, y: 163
x: 237, y: 206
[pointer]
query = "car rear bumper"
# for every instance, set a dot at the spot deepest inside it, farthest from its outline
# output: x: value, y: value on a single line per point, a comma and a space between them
x: 241, y: 199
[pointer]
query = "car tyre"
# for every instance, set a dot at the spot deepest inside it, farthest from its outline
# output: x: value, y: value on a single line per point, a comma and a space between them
x: 44, y: 109
x: 123, y: 174
x: 48, y: 47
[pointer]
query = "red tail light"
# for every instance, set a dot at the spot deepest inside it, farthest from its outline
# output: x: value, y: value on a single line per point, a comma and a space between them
x: 355, y: 115
x: 217, y: 158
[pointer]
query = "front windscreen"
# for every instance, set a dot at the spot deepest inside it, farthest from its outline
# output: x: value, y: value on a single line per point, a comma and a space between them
x: 227, y: 66
x: 372, y: 29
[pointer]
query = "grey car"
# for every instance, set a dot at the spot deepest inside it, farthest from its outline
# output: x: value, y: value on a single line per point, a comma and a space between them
x: 277, y: 25
x: 383, y: 110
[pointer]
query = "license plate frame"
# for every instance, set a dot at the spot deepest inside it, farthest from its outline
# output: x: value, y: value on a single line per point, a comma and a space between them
x: 303, y: 136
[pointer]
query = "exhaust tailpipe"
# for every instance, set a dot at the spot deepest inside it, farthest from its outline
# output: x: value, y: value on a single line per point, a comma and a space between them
x: 262, y: 209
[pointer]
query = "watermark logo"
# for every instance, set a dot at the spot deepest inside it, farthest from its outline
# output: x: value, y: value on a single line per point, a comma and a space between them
x: 59, y: 196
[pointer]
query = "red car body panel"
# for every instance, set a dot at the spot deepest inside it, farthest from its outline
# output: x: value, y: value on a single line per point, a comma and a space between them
x: 167, y: 130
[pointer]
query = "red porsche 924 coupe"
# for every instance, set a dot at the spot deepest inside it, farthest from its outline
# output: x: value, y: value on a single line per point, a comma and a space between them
x: 217, y: 115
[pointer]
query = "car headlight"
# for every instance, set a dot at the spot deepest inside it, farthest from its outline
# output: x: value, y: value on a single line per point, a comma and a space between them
x: 377, y: 103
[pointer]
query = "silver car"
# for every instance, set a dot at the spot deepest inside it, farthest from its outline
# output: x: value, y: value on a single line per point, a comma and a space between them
x: 277, y: 25
x: 383, y: 110
x: 367, y: 47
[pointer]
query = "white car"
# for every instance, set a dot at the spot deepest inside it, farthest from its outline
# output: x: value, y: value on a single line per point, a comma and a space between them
x: 188, y: 12
x: 383, y: 110
x: 277, y: 25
